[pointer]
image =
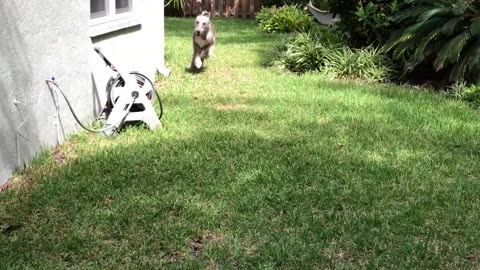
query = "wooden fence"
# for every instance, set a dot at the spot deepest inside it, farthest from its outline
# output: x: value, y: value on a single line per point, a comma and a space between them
x: 218, y: 8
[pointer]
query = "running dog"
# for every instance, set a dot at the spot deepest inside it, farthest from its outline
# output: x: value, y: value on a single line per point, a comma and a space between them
x: 203, y: 40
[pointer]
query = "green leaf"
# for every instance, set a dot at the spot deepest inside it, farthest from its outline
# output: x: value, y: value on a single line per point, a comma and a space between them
x: 451, y: 52
x: 423, y: 27
x: 460, y: 68
x: 475, y: 26
x: 421, y: 50
x: 393, y: 40
x: 450, y: 26
x: 427, y: 15
x: 411, y: 13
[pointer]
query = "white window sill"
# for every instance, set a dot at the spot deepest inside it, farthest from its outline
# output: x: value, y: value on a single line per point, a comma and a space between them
x: 106, y: 25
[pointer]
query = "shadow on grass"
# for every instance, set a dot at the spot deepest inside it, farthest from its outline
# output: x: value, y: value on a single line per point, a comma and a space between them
x: 195, y: 70
x: 295, y: 192
x: 313, y: 179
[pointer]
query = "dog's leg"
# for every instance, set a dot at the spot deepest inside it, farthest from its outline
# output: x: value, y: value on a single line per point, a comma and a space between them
x: 210, y: 50
x: 197, y: 61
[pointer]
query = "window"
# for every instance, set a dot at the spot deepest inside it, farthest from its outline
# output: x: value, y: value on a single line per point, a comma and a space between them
x: 111, y: 15
x: 98, y: 8
x: 122, y: 6
x: 109, y: 8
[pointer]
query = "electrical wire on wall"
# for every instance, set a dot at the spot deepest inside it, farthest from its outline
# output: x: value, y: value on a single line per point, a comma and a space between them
x: 18, y: 133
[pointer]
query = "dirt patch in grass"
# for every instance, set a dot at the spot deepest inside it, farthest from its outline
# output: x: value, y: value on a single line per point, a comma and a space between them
x: 8, y: 185
x: 59, y: 156
x: 21, y: 182
x: 161, y: 85
x: 198, y: 243
x: 174, y: 256
x: 474, y: 258
x: 337, y: 256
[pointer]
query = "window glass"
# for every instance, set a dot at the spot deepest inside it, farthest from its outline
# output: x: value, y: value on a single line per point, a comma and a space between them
x: 98, y: 8
x: 123, y: 6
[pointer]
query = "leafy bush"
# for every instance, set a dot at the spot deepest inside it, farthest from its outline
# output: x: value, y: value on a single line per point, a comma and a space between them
x: 265, y: 13
x: 304, y: 52
x: 444, y: 33
x: 273, y: 55
x: 367, y: 22
x: 314, y: 51
x: 290, y: 43
x: 322, y: 4
x: 374, y: 21
x: 285, y: 19
x: 326, y: 34
x: 367, y: 64
x: 465, y: 92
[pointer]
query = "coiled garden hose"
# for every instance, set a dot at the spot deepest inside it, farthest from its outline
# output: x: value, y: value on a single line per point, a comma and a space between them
x: 52, y: 82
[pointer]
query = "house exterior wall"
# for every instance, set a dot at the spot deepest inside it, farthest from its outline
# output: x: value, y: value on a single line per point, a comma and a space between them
x: 52, y: 38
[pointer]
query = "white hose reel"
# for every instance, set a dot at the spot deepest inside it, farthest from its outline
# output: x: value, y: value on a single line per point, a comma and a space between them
x: 130, y: 97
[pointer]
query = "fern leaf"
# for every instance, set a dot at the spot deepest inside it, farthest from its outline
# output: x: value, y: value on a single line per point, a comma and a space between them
x: 402, y: 48
x: 393, y: 40
x: 450, y: 53
x: 475, y: 26
x: 424, y: 26
x: 412, y: 36
x: 450, y: 26
x: 460, y: 68
x: 474, y: 62
x: 410, y: 13
x: 421, y: 50
x: 427, y: 15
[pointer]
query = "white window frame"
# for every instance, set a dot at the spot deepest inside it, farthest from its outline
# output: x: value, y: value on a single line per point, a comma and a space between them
x: 114, y: 21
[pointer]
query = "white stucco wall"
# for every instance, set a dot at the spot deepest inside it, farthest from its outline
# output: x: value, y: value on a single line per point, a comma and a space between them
x: 140, y: 47
x: 41, y: 39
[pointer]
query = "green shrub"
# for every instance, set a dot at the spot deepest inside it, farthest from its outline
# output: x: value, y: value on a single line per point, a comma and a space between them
x: 326, y: 34
x: 375, y: 22
x: 292, y: 50
x: 367, y: 64
x: 265, y: 13
x: 285, y: 19
x: 322, y: 4
x: 273, y: 56
x: 304, y: 52
x: 465, y: 92
x: 367, y: 22
x: 315, y: 51
x: 445, y: 34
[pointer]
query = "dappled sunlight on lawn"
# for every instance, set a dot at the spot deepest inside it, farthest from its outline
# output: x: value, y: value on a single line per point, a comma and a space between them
x: 258, y: 169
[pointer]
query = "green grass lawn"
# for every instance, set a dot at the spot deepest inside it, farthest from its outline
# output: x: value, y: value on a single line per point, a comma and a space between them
x: 257, y: 169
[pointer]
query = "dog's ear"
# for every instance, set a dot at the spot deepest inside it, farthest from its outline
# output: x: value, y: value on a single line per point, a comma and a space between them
x: 205, y: 13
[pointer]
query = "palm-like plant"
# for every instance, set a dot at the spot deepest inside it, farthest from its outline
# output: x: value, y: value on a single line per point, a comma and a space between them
x: 445, y: 32
x: 178, y: 4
